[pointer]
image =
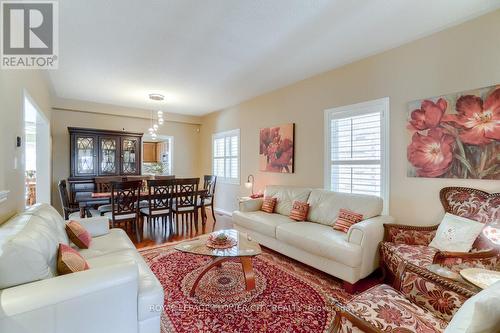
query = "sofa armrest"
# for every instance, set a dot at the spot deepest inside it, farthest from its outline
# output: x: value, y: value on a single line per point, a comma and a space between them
x: 251, y: 205
x: 359, y: 232
x: 409, y: 234
x: 421, y: 286
x: 105, y: 297
x: 96, y: 226
x: 345, y: 319
x: 368, y: 234
x: 456, y: 261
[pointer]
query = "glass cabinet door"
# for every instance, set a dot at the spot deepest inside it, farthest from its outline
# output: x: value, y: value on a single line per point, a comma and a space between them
x: 130, y: 155
x: 85, y: 159
x: 108, y: 152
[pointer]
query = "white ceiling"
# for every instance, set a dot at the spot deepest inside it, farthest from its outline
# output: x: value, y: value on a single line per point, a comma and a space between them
x: 209, y: 54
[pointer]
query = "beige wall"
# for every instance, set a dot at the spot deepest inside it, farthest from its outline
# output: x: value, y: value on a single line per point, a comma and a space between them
x: 12, y: 86
x: 186, y: 159
x: 463, y: 57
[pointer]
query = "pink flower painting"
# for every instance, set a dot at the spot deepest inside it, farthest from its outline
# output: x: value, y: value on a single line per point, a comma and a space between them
x: 277, y: 148
x: 455, y: 136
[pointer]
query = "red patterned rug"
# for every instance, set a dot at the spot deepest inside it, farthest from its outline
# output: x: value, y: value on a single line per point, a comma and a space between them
x: 288, y: 297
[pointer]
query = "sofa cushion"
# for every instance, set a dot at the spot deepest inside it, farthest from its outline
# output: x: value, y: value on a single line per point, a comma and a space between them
x: 150, y: 294
x: 299, y: 211
x: 286, y: 195
x: 346, y: 219
x: 325, y: 205
x: 320, y: 240
x: 50, y: 215
x: 78, y: 235
x: 70, y: 261
x: 114, y: 241
x: 28, y: 249
x: 268, y: 205
x: 261, y: 222
x: 456, y: 233
x: 479, y: 313
x: 389, y: 311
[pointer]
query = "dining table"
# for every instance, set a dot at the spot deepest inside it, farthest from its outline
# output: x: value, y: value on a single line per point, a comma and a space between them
x: 99, y: 196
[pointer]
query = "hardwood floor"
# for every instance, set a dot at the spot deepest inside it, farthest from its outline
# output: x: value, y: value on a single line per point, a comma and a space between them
x: 156, y: 233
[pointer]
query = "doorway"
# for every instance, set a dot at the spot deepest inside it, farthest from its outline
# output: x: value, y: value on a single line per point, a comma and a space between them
x: 157, y: 155
x: 36, y: 153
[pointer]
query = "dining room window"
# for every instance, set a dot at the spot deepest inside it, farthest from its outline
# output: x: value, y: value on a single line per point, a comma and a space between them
x: 226, y: 156
x: 357, y: 149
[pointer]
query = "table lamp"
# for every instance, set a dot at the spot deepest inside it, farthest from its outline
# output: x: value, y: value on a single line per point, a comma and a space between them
x: 250, y: 182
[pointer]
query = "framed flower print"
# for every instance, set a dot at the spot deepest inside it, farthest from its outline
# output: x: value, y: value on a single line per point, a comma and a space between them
x: 276, y: 148
x: 456, y: 135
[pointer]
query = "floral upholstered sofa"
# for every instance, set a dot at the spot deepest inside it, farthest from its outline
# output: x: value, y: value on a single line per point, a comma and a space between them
x: 405, y: 244
x: 420, y: 302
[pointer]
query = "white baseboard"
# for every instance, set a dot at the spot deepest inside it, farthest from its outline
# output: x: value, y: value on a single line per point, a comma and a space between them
x: 223, y: 212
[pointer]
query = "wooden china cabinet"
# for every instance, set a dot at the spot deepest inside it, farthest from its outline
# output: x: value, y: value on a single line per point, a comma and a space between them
x: 95, y: 153
x: 104, y: 153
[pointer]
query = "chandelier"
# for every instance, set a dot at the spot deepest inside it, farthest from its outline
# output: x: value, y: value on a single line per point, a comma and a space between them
x: 155, y: 123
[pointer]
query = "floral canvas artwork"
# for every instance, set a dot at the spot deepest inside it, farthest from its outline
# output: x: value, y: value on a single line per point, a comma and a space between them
x: 277, y: 148
x: 455, y: 136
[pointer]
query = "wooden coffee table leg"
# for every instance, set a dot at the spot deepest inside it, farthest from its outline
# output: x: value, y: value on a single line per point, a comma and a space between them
x: 216, y: 262
x: 246, y: 263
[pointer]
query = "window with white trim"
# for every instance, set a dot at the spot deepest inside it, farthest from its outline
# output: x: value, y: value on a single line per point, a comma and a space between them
x: 226, y: 156
x: 357, y: 149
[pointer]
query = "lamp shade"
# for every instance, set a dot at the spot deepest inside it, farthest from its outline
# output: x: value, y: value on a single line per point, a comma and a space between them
x: 250, y: 182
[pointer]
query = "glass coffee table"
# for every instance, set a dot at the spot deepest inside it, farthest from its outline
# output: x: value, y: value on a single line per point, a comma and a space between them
x: 244, y: 249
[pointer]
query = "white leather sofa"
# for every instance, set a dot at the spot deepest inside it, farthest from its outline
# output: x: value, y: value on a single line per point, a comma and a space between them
x: 119, y: 293
x: 349, y: 256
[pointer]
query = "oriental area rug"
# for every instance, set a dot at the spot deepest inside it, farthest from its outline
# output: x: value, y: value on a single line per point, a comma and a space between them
x: 288, y: 296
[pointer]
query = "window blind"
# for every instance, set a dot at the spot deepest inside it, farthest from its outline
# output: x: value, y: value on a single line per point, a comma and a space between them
x: 226, y: 156
x: 355, y: 153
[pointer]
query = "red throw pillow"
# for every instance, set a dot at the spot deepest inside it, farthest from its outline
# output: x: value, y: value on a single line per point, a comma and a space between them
x: 70, y: 261
x: 345, y: 219
x: 78, y: 234
x: 269, y: 204
x: 299, y: 211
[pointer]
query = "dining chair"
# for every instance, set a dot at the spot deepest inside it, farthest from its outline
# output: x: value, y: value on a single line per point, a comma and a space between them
x: 70, y: 210
x: 103, y: 184
x: 209, y: 182
x: 125, y: 198
x: 144, y: 187
x: 160, y: 193
x: 185, y: 203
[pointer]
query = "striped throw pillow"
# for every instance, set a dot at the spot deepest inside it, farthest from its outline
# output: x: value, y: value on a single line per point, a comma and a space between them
x: 70, y: 261
x: 345, y: 219
x: 299, y: 211
x: 269, y: 204
x: 78, y: 234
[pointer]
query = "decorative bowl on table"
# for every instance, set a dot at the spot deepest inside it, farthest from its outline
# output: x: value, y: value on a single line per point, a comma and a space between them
x: 220, y: 241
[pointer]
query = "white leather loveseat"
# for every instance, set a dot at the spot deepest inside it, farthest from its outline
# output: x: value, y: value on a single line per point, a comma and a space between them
x: 349, y: 256
x: 119, y: 293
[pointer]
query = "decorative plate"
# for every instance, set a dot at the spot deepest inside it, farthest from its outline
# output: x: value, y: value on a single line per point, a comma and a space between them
x: 483, y: 278
x: 220, y: 241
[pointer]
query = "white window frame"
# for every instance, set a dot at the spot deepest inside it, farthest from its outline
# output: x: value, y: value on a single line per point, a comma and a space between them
x: 357, y: 109
x: 235, y: 132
